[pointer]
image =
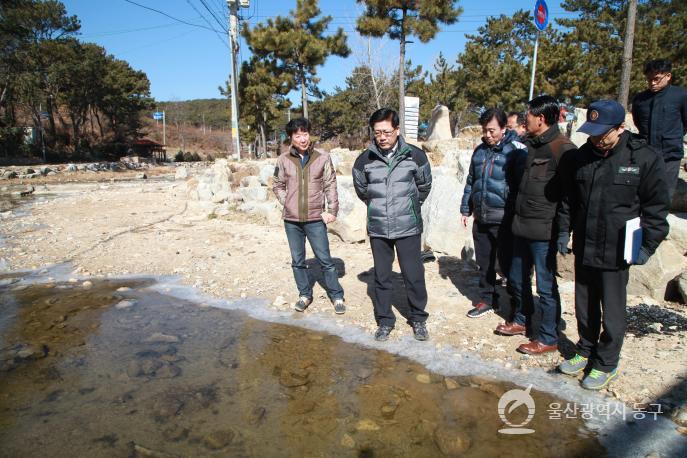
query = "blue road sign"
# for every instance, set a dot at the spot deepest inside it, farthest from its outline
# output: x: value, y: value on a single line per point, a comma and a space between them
x: 158, y: 115
x: 541, y: 15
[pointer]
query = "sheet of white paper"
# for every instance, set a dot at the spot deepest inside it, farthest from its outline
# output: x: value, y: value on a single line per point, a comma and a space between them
x: 633, y: 240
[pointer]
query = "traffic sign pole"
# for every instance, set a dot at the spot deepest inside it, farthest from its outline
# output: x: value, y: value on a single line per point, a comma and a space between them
x: 534, y: 66
x: 541, y: 20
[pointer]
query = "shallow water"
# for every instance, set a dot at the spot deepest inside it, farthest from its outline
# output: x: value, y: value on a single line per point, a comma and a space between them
x: 84, y: 374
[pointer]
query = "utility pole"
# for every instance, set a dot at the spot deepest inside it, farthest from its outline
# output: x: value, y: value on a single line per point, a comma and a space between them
x: 627, y: 54
x: 233, y: 51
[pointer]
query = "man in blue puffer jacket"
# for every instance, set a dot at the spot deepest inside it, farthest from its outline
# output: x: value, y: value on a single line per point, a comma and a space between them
x: 489, y: 195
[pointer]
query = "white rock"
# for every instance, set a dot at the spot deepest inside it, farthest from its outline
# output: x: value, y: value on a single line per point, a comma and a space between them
x: 440, y: 124
x: 266, y: 174
x: 253, y: 193
x: 652, y: 278
x: 181, y: 173
x: 441, y: 216
x: 125, y: 304
x: 351, y: 222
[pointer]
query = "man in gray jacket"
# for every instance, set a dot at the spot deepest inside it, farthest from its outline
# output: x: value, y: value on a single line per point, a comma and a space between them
x: 394, y: 179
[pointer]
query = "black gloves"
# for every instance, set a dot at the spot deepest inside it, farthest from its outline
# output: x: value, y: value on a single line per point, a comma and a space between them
x: 642, y: 257
x: 562, y: 243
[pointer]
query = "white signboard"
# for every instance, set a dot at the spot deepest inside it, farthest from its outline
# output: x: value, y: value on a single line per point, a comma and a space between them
x: 412, y: 117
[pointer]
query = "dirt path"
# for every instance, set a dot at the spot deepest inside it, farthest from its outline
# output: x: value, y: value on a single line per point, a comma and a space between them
x: 148, y: 227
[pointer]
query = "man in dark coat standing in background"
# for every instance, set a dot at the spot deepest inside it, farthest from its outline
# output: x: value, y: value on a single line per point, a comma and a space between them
x: 660, y: 114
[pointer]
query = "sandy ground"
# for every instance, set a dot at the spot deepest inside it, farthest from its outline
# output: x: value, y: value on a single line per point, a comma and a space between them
x: 148, y: 227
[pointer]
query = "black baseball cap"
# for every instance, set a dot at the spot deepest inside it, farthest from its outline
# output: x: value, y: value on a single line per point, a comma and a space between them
x: 602, y: 116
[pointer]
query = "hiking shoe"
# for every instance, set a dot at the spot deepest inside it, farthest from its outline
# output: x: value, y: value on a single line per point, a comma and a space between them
x: 419, y: 330
x: 339, y: 306
x: 382, y: 333
x: 573, y: 366
x: 302, y: 304
x: 596, y: 379
x: 480, y: 309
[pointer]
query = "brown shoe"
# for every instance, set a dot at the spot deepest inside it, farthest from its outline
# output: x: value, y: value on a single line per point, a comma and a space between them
x: 510, y: 329
x: 536, y: 348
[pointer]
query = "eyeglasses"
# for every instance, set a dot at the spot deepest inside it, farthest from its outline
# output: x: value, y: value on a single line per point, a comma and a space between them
x: 384, y: 133
x: 656, y: 78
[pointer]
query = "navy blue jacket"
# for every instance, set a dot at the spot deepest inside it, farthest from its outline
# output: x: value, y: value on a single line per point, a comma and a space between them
x: 493, y: 180
x: 661, y: 118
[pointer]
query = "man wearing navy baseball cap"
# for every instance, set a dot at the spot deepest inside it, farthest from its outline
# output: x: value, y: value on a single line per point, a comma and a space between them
x: 614, y: 177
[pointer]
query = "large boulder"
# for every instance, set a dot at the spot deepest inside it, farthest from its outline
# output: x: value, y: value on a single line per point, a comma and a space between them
x: 679, y: 203
x: 678, y: 231
x: 250, y: 181
x: 653, y: 278
x: 454, y: 154
x: 254, y: 194
x: 441, y: 216
x: 270, y: 212
x: 213, y: 185
x: 440, y: 124
x: 243, y: 169
x: 343, y: 160
x: 351, y: 222
x: 266, y: 176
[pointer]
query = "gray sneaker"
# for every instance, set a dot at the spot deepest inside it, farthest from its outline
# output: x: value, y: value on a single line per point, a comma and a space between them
x: 382, y: 333
x: 302, y: 304
x: 339, y: 306
x: 419, y: 330
x: 573, y: 366
x: 596, y: 379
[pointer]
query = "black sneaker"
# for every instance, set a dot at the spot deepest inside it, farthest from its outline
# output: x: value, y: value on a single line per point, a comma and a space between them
x: 419, y: 330
x: 302, y: 304
x: 480, y: 309
x: 382, y: 333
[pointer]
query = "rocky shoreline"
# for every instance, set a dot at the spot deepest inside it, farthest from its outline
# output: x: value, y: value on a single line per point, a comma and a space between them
x: 219, y: 230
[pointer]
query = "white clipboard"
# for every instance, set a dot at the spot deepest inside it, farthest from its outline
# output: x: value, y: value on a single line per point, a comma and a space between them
x: 633, y: 240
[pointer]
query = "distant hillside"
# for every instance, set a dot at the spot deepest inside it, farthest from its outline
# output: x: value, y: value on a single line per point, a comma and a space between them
x: 208, y: 113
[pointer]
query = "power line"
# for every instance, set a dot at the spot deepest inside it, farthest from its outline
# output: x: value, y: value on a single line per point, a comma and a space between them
x: 202, y: 16
x: 212, y: 13
x: 122, y: 31
x: 171, y: 17
x: 208, y: 23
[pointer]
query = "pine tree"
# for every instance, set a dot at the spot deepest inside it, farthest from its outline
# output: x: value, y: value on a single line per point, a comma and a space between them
x: 261, y: 90
x: 297, y: 45
x: 400, y: 19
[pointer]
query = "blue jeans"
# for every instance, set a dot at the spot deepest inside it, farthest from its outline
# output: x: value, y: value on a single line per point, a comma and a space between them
x: 541, y: 254
x: 316, y: 233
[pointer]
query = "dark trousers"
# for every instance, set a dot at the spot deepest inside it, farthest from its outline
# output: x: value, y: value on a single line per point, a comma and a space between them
x: 672, y: 172
x: 316, y: 233
x: 600, y: 300
x: 493, y: 242
x: 412, y: 270
x: 542, y: 255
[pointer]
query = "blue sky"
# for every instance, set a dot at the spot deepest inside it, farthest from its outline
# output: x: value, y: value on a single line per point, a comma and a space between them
x: 185, y: 62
